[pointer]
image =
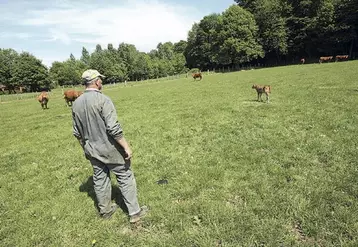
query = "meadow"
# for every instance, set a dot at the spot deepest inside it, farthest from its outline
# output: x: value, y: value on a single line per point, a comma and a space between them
x: 239, y: 172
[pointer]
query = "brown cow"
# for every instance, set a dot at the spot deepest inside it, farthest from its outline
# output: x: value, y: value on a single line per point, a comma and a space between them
x: 341, y: 57
x: 325, y: 59
x: 302, y: 60
x: 43, y: 99
x: 71, y: 95
x: 262, y: 89
x: 197, y: 75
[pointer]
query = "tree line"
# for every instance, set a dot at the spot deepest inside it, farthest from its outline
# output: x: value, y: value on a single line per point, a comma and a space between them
x: 274, y: 32
x: 117, y: 64
x: 249, y: 32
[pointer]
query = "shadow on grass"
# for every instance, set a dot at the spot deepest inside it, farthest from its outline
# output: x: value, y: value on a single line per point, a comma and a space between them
x: 254, y: 101
x: 116, y: 194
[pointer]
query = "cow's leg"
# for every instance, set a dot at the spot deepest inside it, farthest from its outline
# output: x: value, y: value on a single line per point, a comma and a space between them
x: 267, y: 98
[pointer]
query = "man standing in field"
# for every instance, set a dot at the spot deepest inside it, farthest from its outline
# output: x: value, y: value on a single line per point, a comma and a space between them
x: 96, y: 127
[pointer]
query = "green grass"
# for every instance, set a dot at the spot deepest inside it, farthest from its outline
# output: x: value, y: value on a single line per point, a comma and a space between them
x: 240, y: 172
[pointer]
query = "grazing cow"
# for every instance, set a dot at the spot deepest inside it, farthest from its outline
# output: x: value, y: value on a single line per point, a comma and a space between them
x: 262, y: 89
x: 325, y: 59
x: 302, y: 60
x: 71, y: 95
x: 197, y: 75
x: 341, y: 57
x: 43, y: 99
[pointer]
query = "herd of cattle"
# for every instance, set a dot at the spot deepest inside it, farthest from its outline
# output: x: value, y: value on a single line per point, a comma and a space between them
x: 72, y: 95
x: 329, y: 59
x: 69, y: 96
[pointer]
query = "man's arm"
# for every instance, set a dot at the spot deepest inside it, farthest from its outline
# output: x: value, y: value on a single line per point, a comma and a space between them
x: 113, y: 127
x: 123, y: 142
x: 75, y: 131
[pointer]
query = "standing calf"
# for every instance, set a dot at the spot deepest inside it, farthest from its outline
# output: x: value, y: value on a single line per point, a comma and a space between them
x: 71, y: 95
x: 262, y: 89
x: 43, y: 99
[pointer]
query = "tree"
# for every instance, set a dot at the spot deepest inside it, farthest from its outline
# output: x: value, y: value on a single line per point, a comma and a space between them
x: 311, y: 27
x: 346, y: 33
x: 29, y: 71
x: 115, y: 72
x: 72, y: 57
x: 110, y: 47
x: 166, y: 50
x: 203, y: 44
x: 85, y: 58
x: 270, y: 16
x: 105, y: 62
x: 247, y: 4
x: 180, y: 46
x: 7, y: 58
x: 178, y: 63
x: 68, y: 72
x: 141, y: 66
x: 238, y: 36
x: 153, y: 54
x: 98, y: 48
x: 128, y: 54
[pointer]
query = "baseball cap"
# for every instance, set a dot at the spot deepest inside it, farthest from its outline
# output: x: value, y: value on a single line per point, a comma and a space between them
x: 90, y: 74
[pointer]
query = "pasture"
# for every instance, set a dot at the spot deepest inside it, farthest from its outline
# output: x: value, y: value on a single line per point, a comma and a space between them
x: 240, y: 172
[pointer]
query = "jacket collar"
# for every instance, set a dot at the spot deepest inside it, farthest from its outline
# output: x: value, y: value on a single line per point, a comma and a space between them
x: 92, y: 89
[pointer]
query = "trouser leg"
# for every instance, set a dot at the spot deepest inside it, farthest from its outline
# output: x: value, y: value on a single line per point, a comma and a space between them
x: 102, y: 186
x: 128, y: 186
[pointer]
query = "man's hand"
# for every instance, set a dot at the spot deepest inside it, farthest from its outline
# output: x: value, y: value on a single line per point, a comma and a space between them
x: 126, y: 148
x: 129, y: 153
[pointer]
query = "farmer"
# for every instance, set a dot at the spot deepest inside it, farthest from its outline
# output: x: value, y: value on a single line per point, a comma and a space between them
x: 96, y: 127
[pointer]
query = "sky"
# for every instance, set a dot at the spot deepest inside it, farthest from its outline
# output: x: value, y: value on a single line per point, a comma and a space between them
x: 52, y: 30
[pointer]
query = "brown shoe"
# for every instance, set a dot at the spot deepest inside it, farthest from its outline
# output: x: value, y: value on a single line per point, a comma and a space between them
x: 135, y: 218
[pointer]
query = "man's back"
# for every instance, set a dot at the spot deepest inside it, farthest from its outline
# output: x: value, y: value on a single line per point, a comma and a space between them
x: 95, y: 123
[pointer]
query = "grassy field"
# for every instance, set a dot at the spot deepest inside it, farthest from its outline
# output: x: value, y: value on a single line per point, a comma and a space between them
x: 240, y: 172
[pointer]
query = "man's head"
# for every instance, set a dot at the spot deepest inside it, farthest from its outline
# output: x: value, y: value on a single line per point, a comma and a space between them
x: 92, y: 78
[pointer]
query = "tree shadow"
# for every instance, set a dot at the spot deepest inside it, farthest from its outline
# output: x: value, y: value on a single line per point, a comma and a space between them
x: 116, y: 194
